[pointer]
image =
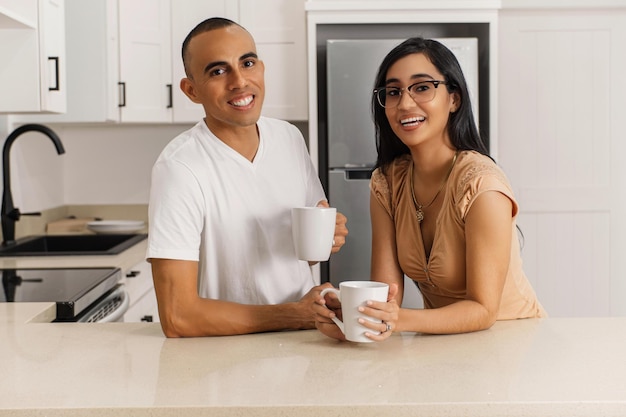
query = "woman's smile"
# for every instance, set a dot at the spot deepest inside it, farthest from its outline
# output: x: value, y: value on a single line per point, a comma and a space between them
x: 412, y: 121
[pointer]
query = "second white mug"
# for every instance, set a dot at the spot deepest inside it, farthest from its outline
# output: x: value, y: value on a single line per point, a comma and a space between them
x: 313, y: 231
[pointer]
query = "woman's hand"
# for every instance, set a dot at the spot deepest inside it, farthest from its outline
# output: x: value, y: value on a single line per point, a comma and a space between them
x: 329, y: 306
x: 387, y: 312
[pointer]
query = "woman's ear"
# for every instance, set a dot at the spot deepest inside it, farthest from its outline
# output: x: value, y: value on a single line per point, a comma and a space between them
x: 188, y: 87
x: 456, y: 102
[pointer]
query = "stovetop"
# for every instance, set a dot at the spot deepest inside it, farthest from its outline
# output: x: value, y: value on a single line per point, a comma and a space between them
x: 73, y: 289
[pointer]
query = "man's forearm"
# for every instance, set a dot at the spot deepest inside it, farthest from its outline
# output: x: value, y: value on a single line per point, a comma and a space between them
x: 220, y: 318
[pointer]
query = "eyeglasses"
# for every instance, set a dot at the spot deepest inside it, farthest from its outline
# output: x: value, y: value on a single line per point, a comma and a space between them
x: 420, y: 92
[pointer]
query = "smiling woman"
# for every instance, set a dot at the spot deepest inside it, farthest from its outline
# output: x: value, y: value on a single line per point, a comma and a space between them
x: 442, y: 212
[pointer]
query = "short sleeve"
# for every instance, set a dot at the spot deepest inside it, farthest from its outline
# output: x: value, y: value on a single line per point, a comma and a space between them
x: 480, y: 178
x: 379, y: 187
x: 176, y: 213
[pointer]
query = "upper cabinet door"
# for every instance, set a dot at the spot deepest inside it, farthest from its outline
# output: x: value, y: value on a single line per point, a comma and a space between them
x: 92, y: 50
x: 279, y: 29
x: 52, y: 55
x: 186, y: 14
x: 32, y: 75
x: 145, y: 61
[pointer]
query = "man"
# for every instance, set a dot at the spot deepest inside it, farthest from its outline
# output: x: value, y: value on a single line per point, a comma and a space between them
x: 220, y: 240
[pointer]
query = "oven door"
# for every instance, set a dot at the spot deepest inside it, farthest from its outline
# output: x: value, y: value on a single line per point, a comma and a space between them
x: 109, y: 308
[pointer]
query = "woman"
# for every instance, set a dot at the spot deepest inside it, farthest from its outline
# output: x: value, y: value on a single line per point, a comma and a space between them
x: 442, y: 211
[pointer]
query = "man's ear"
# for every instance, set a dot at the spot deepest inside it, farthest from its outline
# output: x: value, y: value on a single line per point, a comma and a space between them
x: 188, y: 87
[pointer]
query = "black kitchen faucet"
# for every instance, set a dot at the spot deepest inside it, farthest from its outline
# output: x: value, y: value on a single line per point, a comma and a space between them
x: 9, y: 213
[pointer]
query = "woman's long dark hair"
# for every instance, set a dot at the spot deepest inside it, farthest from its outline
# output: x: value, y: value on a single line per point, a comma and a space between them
x: 461, y: 125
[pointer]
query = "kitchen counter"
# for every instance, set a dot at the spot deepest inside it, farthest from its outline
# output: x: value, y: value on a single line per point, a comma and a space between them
x: 536, y: 367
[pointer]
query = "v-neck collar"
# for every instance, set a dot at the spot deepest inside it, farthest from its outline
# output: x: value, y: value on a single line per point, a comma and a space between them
x: 233, y: 154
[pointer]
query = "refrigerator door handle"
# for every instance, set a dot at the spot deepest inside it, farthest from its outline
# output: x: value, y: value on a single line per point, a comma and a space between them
x: 355, y: 173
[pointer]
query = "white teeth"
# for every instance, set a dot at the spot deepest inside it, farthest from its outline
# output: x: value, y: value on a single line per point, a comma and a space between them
x: 242, y: 102
x: 412, y: 121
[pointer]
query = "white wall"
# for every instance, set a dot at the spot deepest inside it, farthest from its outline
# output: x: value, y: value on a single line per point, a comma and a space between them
x: 112, y: 164
x: 101, y: 165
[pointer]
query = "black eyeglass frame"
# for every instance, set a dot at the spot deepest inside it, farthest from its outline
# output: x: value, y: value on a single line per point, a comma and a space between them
x: 435, y: 84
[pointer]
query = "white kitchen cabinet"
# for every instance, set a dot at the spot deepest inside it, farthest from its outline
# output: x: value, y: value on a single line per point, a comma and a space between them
x: 118, y: 67
x: 279, y: 29
x: 32, y: 44
x: 92, y: 49
x: 145, y: 61
x: 143, y: 304
x: 124, y: 58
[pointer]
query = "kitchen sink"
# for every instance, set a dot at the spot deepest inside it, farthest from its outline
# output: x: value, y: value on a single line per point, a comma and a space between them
x: 71, y: 245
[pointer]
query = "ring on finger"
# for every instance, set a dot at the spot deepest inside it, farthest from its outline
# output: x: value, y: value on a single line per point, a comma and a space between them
x: 387, y: 327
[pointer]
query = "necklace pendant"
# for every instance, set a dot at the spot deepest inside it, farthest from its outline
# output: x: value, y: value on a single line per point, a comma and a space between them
x: 419, y: 214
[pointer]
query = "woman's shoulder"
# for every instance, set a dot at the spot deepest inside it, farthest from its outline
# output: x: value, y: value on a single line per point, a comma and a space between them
x: 473, y: 166
x: 386, y: 181
x: 397, y: 168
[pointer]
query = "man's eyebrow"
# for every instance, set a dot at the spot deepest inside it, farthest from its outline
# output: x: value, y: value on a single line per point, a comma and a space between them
x: 211, y: 65
x: 248, y: 55
x: 243, y: 57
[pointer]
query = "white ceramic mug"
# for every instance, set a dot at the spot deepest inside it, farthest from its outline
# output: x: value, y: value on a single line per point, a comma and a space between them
x: 313, y: 231
x: 352, y: 295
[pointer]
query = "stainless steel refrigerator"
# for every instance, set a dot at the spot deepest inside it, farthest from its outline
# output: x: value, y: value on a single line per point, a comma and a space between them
x: 351, y: 66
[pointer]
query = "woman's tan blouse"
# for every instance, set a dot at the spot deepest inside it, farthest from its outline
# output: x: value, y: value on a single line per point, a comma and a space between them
x: 441, y: 279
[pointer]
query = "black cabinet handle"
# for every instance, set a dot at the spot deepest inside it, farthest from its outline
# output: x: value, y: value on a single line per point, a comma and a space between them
x: 56, y: 73
x: 147, y: 319
x: 33, y: 213
x: 122, y: 86
x: 170, y: 104
x: 132, y: 274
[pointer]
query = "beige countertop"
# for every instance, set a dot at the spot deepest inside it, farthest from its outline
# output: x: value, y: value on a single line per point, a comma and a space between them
x: 549, y: 367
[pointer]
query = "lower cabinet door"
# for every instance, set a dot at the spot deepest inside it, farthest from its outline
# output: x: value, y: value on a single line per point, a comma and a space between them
x: 145, y: 309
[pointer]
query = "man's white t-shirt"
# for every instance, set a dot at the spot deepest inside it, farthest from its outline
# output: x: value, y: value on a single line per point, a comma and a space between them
x: 210, y: 204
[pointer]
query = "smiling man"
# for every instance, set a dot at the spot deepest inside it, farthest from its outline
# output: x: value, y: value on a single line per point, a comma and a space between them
x: 220, y: 240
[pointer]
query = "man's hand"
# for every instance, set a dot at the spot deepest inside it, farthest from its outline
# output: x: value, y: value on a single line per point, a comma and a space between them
x: 341, y: 231
x: 325, y: 309
x: 307, y: 304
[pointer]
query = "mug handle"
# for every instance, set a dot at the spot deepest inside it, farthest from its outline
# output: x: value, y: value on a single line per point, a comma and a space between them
x: 338, y: 322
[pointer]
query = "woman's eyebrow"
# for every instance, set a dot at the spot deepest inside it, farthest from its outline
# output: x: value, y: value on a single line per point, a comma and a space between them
x: 413, y: 77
